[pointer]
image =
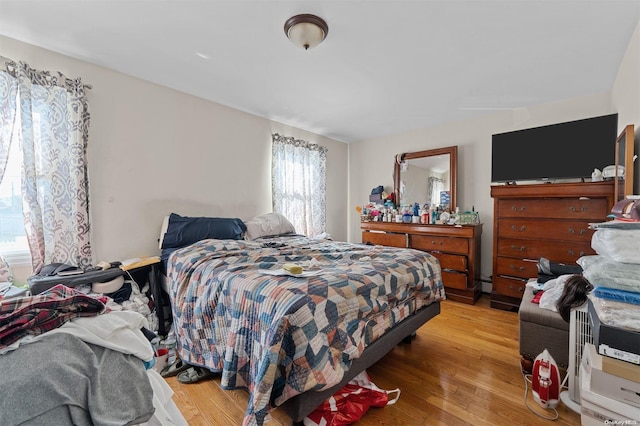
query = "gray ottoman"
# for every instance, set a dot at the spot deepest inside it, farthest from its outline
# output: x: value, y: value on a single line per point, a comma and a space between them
x: 542, y: 329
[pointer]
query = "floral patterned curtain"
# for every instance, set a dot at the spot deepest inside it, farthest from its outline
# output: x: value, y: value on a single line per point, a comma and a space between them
x: 298, y: 176
x: 8, y: 92
x: 54, y: 128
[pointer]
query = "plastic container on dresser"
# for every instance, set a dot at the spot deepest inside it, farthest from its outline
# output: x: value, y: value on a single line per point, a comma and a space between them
x: 456, y: 247
x: 541, y: 220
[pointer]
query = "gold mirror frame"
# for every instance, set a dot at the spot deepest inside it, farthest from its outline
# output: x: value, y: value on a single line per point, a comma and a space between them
x: 453, y: 169
x: 624, y: 157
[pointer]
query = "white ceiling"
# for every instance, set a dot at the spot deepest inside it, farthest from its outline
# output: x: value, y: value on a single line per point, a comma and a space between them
x: 387, y: 66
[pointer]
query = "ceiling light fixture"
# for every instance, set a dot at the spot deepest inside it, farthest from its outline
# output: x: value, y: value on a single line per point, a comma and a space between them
x: 306, y: 31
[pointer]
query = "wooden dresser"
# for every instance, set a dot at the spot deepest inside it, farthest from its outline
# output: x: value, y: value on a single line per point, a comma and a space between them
x: 456, y: 247
x: 541, y: 220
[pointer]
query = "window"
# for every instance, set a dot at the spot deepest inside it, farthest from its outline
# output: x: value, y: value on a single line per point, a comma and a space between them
x: 13, y: 239
x: 298, y: 183
x: 436, y: 187
x: 45, y: 121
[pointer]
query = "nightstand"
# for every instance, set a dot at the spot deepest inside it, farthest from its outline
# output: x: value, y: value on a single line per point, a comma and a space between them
x: 148, y: 271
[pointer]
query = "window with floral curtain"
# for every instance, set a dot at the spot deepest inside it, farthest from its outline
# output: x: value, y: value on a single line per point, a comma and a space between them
x: 46, y: 114
x: 298, y: 176
x: 435, y: 187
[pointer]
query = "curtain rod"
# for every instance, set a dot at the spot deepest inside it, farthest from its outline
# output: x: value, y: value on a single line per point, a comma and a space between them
x: 13, y: 64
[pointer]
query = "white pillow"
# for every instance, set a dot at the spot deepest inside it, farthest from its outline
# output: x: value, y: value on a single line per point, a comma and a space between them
x: 163, y: 230
x: 268, y: 225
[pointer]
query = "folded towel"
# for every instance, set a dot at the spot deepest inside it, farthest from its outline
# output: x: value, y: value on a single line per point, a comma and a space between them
x: 618, y: 295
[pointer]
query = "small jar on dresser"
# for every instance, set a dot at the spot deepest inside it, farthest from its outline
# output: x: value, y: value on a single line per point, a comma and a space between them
x: 457, y: 248
x: 541, y: 220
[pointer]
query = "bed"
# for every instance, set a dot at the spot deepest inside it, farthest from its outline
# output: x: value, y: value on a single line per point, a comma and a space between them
x: 290, y: 340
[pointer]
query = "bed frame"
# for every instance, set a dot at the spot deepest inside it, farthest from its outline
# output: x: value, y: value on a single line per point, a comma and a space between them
x: 300, y: 406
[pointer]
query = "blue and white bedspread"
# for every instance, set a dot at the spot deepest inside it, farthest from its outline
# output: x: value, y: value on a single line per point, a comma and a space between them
x: 278, y: 336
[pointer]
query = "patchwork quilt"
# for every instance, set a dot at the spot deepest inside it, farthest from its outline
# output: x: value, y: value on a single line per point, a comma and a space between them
x: 281, y: 335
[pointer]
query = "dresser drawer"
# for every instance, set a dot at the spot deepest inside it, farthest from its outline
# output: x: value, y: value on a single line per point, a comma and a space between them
x: 454, y: 280
x: 506, y: 286
x: 451, y: 261
x: 564, y: 230
x: 561, y: 208
x: 516, y: 267
x: 535, y: 249
x: 385, y: 239
x: 446, y: 244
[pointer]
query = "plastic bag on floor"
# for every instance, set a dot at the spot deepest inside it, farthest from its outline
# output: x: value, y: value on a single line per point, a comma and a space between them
x: 351, y: 402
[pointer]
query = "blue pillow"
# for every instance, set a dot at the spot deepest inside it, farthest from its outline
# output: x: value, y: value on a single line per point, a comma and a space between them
x: 183, y: 231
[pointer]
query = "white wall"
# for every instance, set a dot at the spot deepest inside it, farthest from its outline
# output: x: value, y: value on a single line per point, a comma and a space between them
x: 154, y: 150
x: 473, y: 138
x: 626, y: 95
x: 371, y: 161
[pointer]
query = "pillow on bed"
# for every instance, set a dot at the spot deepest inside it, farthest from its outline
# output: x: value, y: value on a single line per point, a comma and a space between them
x: 268, y: 225
x: 182, y: 231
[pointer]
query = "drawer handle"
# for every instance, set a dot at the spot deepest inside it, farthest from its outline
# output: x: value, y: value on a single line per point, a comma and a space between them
x: 521, y: 269
x: 515, y: 228
x: 436, y: 242
x: 516, y: 209
x: 573, y: 231
x: 572, y: 253
x: 522, y: 248
x: 582, y: 209
x: 512, y: 288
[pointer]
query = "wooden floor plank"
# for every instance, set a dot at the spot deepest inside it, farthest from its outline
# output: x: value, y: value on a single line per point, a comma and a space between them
x: 462, y: 368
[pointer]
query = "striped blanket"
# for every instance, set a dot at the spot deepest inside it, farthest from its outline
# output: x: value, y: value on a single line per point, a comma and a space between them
x: 281, y: 335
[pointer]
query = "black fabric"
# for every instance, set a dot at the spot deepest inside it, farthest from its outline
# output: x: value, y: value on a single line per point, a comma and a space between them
x: 377, y: 190
x: 53, y: 269
x: 38, y: 284
x: 548, y: 267
x: 183, y: 231
x: 121, y: 295
x: 543, y: 278
x: 150, y: 335
x: 549, y: 270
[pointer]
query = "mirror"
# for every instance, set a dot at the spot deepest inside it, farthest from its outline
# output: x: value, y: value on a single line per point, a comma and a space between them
x: 624, y: 157
x: 427, y: 177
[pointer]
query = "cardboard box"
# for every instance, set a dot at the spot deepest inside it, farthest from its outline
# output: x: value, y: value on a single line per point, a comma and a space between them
x: 609, y: 385
x: 614, y: 342
x: 376, y: 198
x: 597, y: 409
x: 620, y: 368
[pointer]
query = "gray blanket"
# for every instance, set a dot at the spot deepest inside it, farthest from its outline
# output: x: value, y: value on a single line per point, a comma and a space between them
x: 63, y: 380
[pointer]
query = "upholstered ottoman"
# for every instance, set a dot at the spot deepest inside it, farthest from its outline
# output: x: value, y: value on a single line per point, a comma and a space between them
x: 542, y: 329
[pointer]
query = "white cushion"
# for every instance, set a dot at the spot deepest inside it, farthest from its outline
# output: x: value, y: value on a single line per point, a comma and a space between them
x: 268, y: 225
x: 163, y: 230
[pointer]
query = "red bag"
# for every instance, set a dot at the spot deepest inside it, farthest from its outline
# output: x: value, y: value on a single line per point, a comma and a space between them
x: 350, y: 403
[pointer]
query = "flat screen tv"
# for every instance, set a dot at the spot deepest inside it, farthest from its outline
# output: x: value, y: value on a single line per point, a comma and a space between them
x: 567, y: 150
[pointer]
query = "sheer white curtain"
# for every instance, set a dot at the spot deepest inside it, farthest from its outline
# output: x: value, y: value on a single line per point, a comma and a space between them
x: 51, y: 124
x: 436, y: 186
x: 298, y: 176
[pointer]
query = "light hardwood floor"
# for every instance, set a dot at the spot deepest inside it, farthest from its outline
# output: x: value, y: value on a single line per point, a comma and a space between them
x: 463, y: 368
